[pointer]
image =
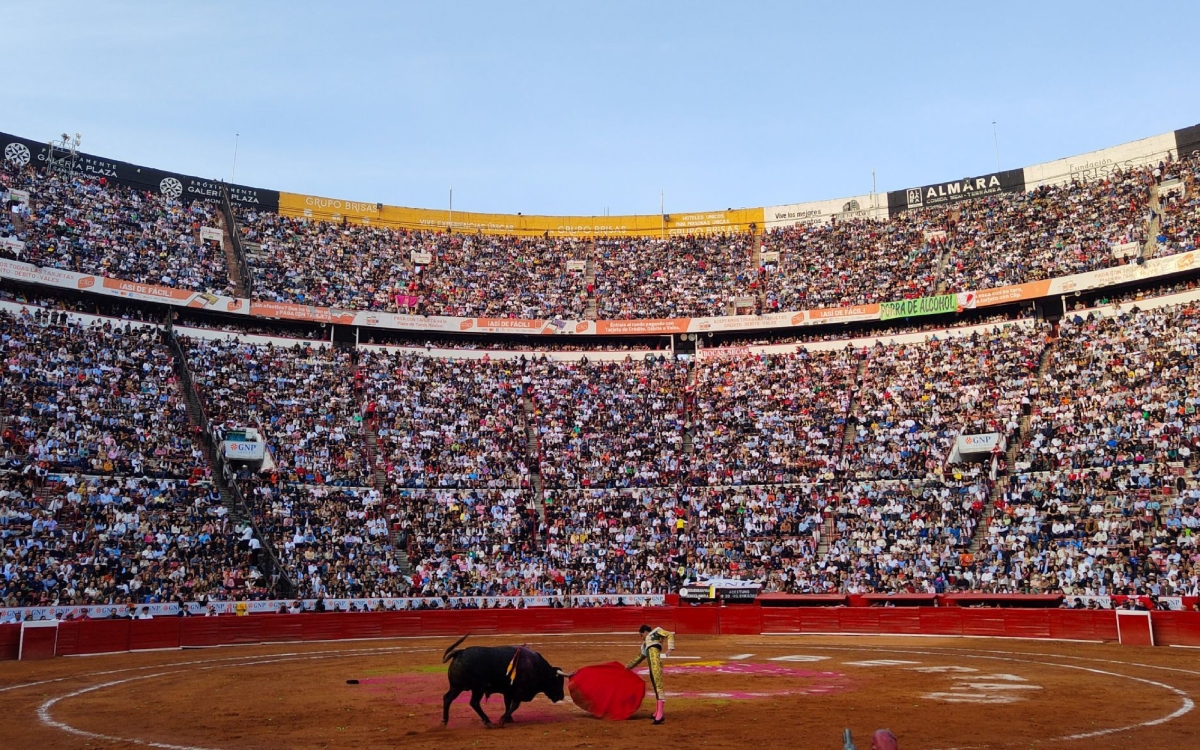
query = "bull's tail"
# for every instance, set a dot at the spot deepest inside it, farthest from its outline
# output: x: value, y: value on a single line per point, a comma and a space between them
x: 450, y: 652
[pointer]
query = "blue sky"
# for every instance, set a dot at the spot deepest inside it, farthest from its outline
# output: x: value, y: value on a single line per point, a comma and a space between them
x: 574, y: 108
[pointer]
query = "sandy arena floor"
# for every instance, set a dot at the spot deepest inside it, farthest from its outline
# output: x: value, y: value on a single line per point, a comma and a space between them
x: 726, y: 692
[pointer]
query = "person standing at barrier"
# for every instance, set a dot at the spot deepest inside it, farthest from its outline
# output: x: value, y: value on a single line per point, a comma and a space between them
x: 652, y: 646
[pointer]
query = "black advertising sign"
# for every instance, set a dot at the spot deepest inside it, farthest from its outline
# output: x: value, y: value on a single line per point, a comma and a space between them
x: 955, y: 191
x: 1187, y: 141
x: 20, y: 152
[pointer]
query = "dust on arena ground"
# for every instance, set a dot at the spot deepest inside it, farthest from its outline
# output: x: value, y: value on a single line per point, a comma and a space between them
x: 725, y: 692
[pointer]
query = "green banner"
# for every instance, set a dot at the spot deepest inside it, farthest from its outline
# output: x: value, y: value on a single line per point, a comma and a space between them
x: 908, y: 308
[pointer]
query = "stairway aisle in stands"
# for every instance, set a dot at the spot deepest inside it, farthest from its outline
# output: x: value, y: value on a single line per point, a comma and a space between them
x: 379, y: 481
x: 1153, y: 225
x: 756, y: 267
x: 535, y: 459
x: 848, y: 430
x: 1001, y: 485
x: 239, y: 513
x: 235, y: 255
x: 231, y: 260
x: 589, y: 278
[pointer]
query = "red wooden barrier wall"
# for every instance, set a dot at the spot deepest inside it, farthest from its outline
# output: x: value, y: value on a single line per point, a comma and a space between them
x: 102, y: 636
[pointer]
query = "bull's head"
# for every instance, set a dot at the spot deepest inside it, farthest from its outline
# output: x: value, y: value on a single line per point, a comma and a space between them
x: 555, y: 691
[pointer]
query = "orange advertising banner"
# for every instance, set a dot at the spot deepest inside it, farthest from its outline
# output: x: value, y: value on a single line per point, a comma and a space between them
x: 650, y: 326
x: 149, y: 290
x: 865, y: 312
x: 1006, y: 294
x: 290, y: 311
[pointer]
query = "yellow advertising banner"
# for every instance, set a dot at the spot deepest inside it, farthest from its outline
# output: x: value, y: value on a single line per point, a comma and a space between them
x: 643, y: 225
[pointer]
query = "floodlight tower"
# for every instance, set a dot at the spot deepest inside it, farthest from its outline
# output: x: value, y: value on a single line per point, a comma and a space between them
x: 61, y: 155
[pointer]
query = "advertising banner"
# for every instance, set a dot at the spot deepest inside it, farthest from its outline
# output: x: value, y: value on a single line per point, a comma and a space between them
x: 821, y: 212
x: 439, y: 220
x: 911, y: 308
x: 20, y: 197
x: 955, y: 191
x: 1187, y: 141
x: 648, y: 326
x: 199, y: 609
x: 212, y: 233
x: 12, y: 245
x: 290, y: 311
x: 577, y: 265
x: 1126, y: 249
x: 21, y: 152
x: 985, y: 443
x: 31, y: 274
x: 239, y: 450
x: 1102, y: 164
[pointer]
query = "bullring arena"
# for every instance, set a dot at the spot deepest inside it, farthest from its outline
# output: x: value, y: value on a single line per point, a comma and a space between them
x: 924, y: 460
x: 768, y: 690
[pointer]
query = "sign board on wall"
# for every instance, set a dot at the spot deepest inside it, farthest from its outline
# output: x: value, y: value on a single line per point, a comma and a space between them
x: 12, y: 245
x: 238, y: 450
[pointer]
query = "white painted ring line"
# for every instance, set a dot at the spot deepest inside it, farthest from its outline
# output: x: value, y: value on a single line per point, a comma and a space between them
x: 1186, y: 706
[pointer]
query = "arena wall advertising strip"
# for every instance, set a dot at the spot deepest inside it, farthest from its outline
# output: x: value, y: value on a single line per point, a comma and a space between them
x: 106, y: 636
x: 646, y: 225
x: 956, y: 191
x: 1101, y: 164
x: 819, y: 212
x: 911, y: 308
x: 20, y: 152
x: 1187, y: 141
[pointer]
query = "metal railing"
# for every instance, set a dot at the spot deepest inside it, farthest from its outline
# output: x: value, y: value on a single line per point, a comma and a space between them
x: 235, y: 237
x: 224, y: 476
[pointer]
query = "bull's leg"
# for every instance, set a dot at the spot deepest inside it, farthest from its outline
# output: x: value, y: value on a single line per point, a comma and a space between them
x: 510, y: 705
x: 476, y: 697
x: 447, y: 699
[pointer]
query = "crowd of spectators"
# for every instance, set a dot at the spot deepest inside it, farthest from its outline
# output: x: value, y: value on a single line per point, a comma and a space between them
x: 674, y: 277
x: 364, y: 267
x: 854, y: 262
x: 898, y: 536
x: 1051, y: 231
x: 119, y: 540
x: 331, y: 541
x: 305, y: 398
x: 1119, y: 391
x: 610, y: 424
x: 771, y: 418
x: 99, y: 227
x: 1097, y: 532
x: 100, y: 398
x: 1179, y: 221
x: 447, y: 422
x: 917, y: 398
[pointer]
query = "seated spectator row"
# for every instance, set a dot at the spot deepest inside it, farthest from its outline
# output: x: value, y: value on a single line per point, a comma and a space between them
x: 96, y: 227
x: 108, y: 540
x: 401, y: 474
x: 305, y: 398
x: 100, y: 399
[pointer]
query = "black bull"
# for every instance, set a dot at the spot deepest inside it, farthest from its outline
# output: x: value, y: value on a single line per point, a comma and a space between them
x: 516, y: 672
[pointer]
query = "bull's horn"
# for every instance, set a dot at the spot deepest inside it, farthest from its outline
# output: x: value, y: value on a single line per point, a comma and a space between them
x: 565, y: 674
